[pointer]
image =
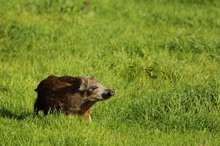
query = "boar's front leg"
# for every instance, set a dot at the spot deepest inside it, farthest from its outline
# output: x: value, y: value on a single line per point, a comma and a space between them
x: 86, y: 115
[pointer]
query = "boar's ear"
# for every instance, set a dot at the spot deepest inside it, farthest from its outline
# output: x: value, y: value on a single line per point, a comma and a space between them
x: 83, y: 84
x: 93, y: 77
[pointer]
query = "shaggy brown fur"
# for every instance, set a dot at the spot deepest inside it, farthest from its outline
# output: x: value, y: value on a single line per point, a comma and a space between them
x: 71, y: 95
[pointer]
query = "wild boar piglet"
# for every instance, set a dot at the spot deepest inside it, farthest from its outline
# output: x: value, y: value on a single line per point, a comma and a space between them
x: 70, y: 95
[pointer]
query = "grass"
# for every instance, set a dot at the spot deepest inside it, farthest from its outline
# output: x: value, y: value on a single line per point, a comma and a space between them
x: 161, y: 57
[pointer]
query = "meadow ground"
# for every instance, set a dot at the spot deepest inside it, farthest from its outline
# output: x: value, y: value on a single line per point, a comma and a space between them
x: 162, y: 57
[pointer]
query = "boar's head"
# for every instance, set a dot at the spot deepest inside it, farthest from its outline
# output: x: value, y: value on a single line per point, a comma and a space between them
x: 93, y: 90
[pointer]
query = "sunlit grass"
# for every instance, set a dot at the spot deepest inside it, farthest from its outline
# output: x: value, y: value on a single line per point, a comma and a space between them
x: 162, y: 58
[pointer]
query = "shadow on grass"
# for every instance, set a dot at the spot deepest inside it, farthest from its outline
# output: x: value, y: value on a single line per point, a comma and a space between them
x: 8, y: 114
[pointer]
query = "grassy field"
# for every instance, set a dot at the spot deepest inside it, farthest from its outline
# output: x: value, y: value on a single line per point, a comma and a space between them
x: 162, y: 57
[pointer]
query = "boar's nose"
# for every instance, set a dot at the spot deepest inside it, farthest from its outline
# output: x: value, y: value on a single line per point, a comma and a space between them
x: 112, y: 92
x: 108, y: 93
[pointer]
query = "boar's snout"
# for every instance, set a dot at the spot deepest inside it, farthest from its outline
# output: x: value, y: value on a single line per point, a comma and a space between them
x: 112, y: 92
x: 108, y: 93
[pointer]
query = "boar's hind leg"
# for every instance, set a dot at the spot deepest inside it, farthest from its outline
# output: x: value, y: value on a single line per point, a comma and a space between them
x: 38, y: 106
x: 36, y: 110
x: 46, y: 111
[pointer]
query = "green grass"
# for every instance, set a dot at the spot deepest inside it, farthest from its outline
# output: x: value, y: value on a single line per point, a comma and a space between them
x: 162, y: 57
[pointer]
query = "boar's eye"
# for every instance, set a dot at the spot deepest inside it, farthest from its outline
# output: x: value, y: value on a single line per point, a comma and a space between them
x: 93, y: 88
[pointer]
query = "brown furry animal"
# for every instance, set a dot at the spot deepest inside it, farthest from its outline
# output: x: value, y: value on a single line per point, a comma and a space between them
x: 71, y: 95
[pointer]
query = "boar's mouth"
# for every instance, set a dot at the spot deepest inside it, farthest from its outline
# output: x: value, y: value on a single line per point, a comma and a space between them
x: 108, y: 94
